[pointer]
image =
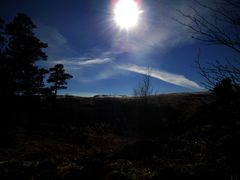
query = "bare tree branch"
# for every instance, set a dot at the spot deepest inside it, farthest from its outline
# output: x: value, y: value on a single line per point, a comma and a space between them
x: 220, y: 27
x: 145, y: 88
x: 214, y: 30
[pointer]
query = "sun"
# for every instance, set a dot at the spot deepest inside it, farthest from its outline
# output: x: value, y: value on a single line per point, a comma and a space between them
x: 126, y: 13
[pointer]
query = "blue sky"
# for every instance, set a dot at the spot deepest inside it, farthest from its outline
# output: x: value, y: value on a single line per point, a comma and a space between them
x: 105, y: 59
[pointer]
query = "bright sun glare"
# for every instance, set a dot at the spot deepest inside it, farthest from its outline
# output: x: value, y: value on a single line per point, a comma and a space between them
x: 126, y: 13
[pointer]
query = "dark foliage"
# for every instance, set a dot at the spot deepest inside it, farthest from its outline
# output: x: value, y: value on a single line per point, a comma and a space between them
x: 171, y: 136
x: 58, y: 77
x: 189, y: 136
x: 224, y: 91
x: 23, y: 50
x: 20, y: 49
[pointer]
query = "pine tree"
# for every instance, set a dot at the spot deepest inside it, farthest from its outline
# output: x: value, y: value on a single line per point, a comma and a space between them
x: 58, y: 77
x: 38, y: 82
x: 5, y: 75
x: 23, y: 51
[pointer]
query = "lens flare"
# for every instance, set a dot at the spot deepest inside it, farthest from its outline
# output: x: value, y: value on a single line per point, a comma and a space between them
x: 126, y: 13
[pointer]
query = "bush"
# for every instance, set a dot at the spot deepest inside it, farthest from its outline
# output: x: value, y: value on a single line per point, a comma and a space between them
x: 224, y: 92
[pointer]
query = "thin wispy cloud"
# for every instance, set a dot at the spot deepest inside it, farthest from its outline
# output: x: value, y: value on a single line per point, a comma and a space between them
x: 176, y: 79
x: 95, y: 61
x: 99, y: 75
x: 82, y: 61
x: 88, y: 70
x: 58, y: 44
x: 158, y: 31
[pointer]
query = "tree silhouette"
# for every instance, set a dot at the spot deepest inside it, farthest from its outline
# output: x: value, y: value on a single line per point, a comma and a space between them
x: 24, y: 49
x: 145, y: 88
x: 2, y: 39
x: 221, y: 27
x: 5, y: 75
x: 38, y: 83
x: 58, y: 77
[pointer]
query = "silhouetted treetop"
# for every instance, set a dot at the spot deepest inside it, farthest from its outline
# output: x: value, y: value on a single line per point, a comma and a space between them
x: 22, y: 51
x: 58, y: 77
x: 23, y: 44
x: 145, y: 88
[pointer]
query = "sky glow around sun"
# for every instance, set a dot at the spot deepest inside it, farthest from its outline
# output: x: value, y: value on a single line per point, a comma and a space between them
x: 126, y: 13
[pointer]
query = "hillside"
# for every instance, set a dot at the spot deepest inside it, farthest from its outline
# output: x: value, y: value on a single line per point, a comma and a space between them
x: 160, y: 137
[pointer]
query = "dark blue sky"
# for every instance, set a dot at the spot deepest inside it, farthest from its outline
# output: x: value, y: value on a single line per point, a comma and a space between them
x: 104, y: 59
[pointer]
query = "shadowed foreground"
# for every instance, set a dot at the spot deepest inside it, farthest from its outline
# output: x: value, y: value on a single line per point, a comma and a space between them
x: 172, y: 136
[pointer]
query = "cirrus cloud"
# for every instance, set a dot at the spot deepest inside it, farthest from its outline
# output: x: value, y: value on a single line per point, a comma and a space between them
x: 176, y: 79
x: 82, y: 61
